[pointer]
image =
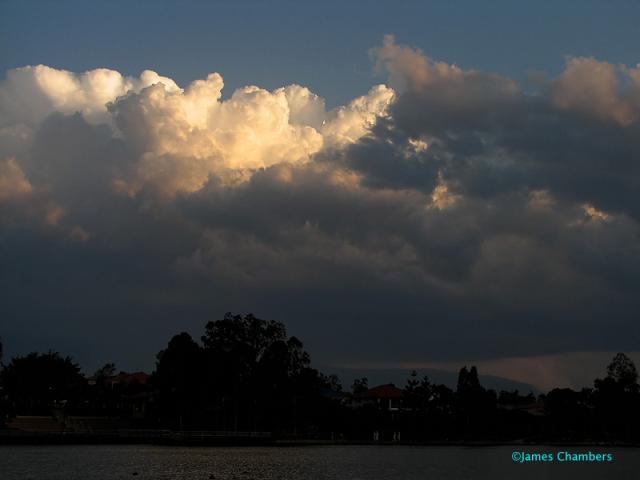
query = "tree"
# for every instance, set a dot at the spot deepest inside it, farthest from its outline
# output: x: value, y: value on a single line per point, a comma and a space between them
x: 416, y: 400
x: 257, y: 375
x: 616, y: 398
x: 333, y: 382
x: 568, y: 411
x: 178, y: 378
x: 417, y: 393
x: 105, y: 372
x: 248, y: 337
x: 623, y: 371
x: 39, y: 382
x: 102, y: 398
x: 360, y: 385
x: 468, y: 381
x: 475, y: 404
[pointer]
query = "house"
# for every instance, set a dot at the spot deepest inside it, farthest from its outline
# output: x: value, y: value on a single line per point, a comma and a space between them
x: 380, y: 410
x: 125, y: 395
x: 386, y: 398
x: 124, y: 378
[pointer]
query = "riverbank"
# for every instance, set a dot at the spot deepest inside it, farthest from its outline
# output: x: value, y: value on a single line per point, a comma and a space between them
x: 209, y: 438
x: 145, y: 437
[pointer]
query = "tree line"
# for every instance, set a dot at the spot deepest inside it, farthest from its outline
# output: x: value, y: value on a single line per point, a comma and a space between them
x: 248, y: 374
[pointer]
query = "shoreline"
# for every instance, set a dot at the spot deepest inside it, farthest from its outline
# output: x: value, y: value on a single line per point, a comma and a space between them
x: 216, y: 440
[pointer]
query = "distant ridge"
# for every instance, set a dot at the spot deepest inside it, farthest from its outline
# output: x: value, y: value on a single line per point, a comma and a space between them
x: 399, y: 376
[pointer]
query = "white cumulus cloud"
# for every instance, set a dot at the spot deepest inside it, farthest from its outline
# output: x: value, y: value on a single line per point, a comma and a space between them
x: 182, y: 137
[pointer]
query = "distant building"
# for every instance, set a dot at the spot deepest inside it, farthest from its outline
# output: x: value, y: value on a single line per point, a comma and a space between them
x: 381, y: 407
x: 384, y: 397
x: 124, y: 378
x: 127, y: 395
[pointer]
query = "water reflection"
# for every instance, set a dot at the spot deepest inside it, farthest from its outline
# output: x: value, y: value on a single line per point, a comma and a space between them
x: 330, y: 463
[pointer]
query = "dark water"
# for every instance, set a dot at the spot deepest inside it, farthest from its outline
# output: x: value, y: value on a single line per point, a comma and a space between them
x: 331, y: 462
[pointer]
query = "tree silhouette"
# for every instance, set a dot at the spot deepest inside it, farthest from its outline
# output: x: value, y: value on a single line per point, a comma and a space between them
x: 623, y: 371
x: 248, y: 374
x: 37, y: 382
x: 616, y: 398
x: 105, y: 372
x: 417, y: 400
x: 251, y: 363
x: 475, y: 404
x: 178, y: 378
x: 360, y: 385
x: 468, y: 381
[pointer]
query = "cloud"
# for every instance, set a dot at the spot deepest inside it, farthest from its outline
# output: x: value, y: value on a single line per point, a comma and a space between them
x: 445, y: 95
x: 599, y: 89
x: 29, y: 94
x: 453, y: 215
x: 576, y: 136
x: 181, y: 137
x: 13, y: 183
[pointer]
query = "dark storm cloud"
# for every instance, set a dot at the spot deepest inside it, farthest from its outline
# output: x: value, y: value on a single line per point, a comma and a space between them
x: 577, y: 135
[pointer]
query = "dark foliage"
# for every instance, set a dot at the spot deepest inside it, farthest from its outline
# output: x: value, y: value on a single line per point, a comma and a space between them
x: 247, y: 374
x: 36, y: 383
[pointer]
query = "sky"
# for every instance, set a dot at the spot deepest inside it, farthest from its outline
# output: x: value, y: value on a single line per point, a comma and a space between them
x: 405, y: 185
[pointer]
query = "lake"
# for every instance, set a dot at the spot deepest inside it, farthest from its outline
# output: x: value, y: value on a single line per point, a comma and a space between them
x: 313, y: 462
